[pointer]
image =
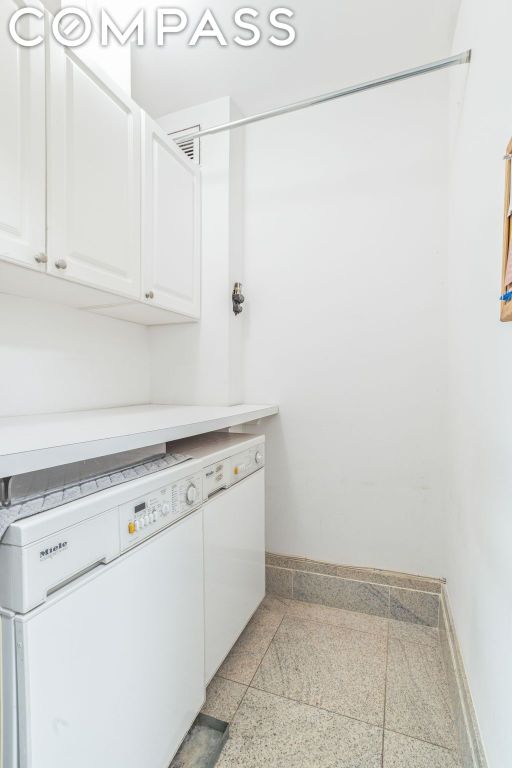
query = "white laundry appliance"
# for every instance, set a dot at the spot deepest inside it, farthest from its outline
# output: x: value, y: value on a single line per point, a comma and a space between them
x: 234, y: 535
x: 102, y: 626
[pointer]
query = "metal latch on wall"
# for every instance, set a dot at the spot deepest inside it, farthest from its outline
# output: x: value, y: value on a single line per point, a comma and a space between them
x: 238, y: 298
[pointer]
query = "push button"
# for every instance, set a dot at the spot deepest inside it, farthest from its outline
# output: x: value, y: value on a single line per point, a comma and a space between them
x: 131, y: 527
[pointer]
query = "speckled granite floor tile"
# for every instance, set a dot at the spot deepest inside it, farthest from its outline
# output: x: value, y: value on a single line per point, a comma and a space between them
x: 249, y: 649
x: 417, y: 696
x: 338, y: 617
x: 276, y: 733
x: 223, y: 698
x: 403, y: 752
x: 276, y: 604
x: 335, y: 668
x: 414, y: 633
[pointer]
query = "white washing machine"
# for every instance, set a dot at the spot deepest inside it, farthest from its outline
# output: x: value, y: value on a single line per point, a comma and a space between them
x: 234, y: 535
x: 102, y: 626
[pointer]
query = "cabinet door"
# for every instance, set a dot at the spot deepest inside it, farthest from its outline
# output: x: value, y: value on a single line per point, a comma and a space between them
x: 234, y: 565
x: 171, y: 222
x: 93, y: 177
x: 22, y: 142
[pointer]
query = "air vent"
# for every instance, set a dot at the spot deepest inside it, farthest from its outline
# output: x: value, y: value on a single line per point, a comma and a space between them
x: 189, y: 146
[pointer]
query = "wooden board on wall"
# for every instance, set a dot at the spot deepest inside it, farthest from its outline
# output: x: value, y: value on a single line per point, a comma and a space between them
x: 506, y: 306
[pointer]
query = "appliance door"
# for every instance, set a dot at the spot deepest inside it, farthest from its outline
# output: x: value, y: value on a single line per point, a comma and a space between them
x: 8, y: 716
x: 111, y: 669
x: 234, y: 562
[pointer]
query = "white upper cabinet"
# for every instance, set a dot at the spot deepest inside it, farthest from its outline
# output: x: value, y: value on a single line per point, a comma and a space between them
x: 92, y: 191
x: 22, y: 144
x: 171, y: 225
x: 94, y: 148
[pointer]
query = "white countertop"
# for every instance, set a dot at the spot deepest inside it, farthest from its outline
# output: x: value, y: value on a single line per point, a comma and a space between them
x: 29, y: 443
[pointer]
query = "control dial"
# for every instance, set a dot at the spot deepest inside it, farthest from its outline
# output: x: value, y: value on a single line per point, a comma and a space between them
x: 191, y: 494
x: 258, y: 457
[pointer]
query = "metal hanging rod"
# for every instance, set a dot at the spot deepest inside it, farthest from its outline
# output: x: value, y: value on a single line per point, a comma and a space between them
x: 451, y: 61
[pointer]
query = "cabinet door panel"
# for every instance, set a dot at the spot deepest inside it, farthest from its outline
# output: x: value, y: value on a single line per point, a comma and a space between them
x: 171, y: 224
x: 22, y: 142
x: 93, y: 178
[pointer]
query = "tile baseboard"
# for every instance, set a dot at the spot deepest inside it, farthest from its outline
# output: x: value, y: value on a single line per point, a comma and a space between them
x: 373, y: 575
x: 471, y: 751
x: 360, y: 596
x: 403, y: 597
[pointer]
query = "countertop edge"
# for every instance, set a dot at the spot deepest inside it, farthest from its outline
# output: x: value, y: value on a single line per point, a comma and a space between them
x: 43, y: 458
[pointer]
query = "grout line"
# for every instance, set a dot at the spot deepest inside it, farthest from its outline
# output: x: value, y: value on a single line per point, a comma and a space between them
x: 297, y: 701
x: 350, y: 610
x: 411, y: 589
x: 314, y: 706
x: 367, y: 582
x: 423, y: 741
x: 351, y: 717
x: 338, y: 626
x: 224, y: 677
x: 438, y: 651
x: 386, y: 619
x: 229, y: 679
x: 267, y: 649
x: 239, y: 705
x: 248, y: 685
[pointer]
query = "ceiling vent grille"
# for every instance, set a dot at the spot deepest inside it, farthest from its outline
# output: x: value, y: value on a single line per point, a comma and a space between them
x: 189, y: 146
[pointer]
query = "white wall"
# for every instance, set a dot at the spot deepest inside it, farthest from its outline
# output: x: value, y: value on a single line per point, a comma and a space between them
x: 338, y: 43
x: 201, y: 363
x: 345, y: 278
x: 479, y: 562
x: 60, y: 359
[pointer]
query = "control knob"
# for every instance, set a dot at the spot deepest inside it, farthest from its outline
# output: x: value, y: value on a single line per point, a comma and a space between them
x: 191, y: 494
x: 258, y: 457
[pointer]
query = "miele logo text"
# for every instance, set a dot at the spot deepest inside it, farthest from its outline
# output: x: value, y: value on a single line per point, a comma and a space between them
x: 44, y: 554
x: 72, y: 27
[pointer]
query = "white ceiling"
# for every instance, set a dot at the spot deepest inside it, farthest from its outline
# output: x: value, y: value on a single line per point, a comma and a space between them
x: 339, y: 42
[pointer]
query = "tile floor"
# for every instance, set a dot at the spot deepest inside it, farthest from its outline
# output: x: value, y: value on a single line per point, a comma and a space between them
x: 308, y: 686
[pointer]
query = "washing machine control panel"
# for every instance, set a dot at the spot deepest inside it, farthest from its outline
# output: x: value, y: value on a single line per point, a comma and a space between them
x: 243, y: 464
x: 144, y: 516
x: 215, y: 478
